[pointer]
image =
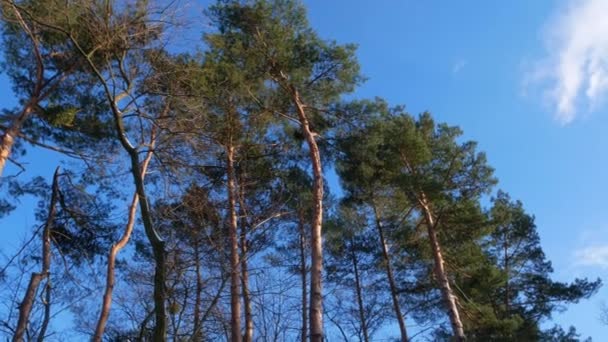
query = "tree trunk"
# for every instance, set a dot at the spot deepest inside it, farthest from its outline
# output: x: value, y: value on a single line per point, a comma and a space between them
x: 110, y: 277
x: 359, y: 292
x: 316, y: 242
x: 158, y: 249
x: 389, y: 274
x: 507, y: 272
x: 197, y: 332
x: 7, y: 140
x: 440, y: 272
x: 248, y: 336
x: 47, y: 310
x: 303, y: 272
x: 235, y: 299
x: 30, y: 294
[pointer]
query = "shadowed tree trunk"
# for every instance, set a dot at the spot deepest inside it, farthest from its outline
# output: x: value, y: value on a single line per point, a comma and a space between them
x: 359, y: 292
x: 30, y: 294
x: 197, y: 331
x: 248, y: 336
x: 389, y: 274
x: 47, y: 310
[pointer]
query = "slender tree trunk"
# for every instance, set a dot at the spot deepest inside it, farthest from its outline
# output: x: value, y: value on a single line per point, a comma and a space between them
x: 235, y: 299
x: 303, y: 272
x: 316, y: 240
x: 507, y: 272
x: 30, y: 294
x: 389, y: 274
x: 440, y: 272
x: 248, y: 336
x: 156, y: 242
x: 47, y: 310
x: 117, y: 247
x: 358, y: 292
x: 196, y: 334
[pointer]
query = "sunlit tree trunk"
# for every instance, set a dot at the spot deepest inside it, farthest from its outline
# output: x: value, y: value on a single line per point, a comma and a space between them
x: 303, y: 274
x: 7, y: 140
x: 117, y: 247
x: 316, y: 240
x: 235, y: 298
x: 440, y: 272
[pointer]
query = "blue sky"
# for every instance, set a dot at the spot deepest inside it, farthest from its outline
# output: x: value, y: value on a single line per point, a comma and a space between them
x: 526, y: 79
x: 523, y: 78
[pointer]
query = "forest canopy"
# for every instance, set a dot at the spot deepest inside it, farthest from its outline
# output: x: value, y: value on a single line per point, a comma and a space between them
x: 190, y: 198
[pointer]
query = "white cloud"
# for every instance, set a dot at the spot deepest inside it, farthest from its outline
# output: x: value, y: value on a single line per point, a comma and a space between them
x: 576, y: 66
x: 592, y: 256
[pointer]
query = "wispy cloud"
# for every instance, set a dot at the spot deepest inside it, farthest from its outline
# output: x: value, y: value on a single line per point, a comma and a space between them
x: 574, y: 72
x: 458, y: 66
x: 592, y: 256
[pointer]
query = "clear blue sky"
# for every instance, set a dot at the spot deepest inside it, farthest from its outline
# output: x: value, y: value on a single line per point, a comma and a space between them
x: 523, y: 78
x: 500, y: 70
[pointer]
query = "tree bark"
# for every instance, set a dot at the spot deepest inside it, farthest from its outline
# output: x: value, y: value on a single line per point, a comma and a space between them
x: 316, y: 241
x: 389, y: 274
x: 303, y: 273
x: 156, y: 242
x: 358, y: 292
x: 7, y: 140
x: 30, y: 294
x: 117, y: 247
x: 440, y: 272
x: 197, y: 332
x: 507, y: 272
x: 235, y: 299
x: 47, y: 310
x: 248, y: 336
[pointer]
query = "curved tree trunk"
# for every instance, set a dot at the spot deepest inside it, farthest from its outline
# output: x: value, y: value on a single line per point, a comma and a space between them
x: 389, y: 274
x: 316, y: 241
x: 110, y: 277
x: 440, y: 272
x: 7, y: 140
x: 30, y: 294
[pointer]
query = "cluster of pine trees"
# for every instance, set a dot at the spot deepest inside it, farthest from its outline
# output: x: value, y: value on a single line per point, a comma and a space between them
x: 192, y: 203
